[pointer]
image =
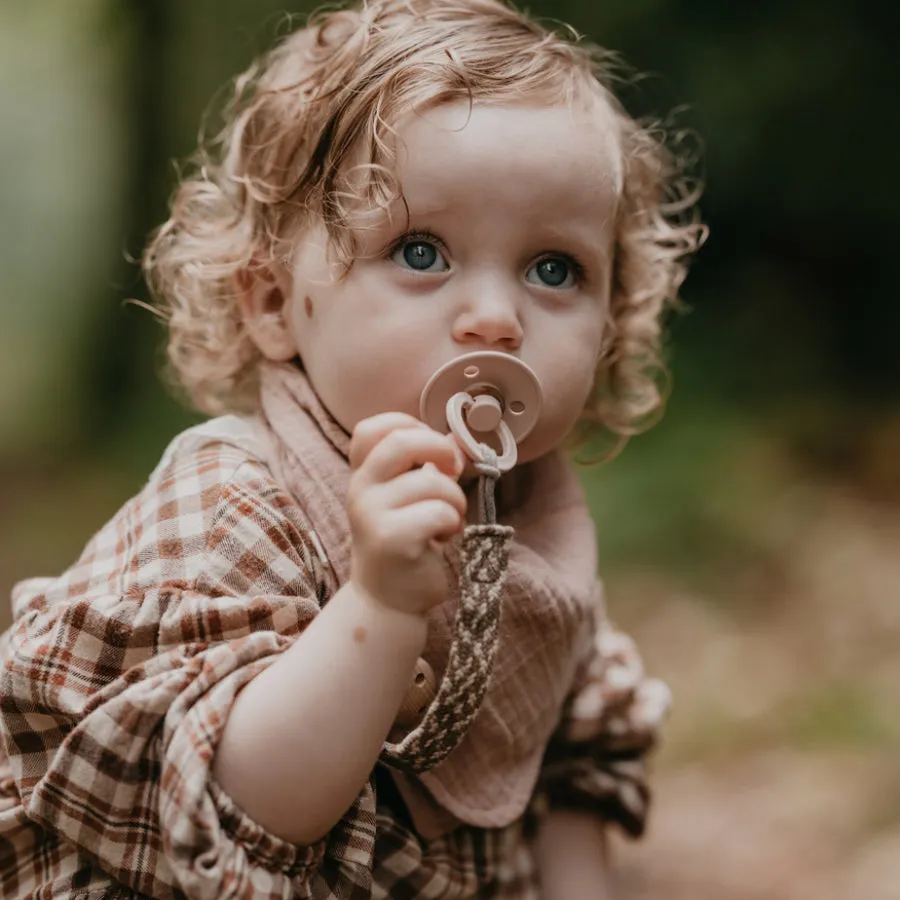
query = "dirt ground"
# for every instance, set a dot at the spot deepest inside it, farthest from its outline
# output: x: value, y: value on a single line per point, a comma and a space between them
x: 779, y: 777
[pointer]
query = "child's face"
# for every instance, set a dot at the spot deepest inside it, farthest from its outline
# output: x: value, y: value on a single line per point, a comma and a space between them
x: 508, y: 247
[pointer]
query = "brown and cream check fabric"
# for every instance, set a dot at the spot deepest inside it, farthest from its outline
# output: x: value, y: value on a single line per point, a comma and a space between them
x: 117, y: 678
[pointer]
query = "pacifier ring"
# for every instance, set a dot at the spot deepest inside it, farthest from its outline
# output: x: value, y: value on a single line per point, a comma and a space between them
x: 461, y: 404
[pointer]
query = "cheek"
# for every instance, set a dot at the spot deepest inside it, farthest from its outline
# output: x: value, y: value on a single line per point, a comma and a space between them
x: 571, y: 387
x: 569, y: 376
x: 575, y: 357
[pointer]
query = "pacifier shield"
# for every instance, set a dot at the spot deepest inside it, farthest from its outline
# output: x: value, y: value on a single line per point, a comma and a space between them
x: 508, y: 380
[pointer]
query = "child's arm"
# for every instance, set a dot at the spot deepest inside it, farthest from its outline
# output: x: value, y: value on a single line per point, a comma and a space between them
x: 303, y: 736
x: 119, y: 676
x: 572, y: 857
x: 594, y: 771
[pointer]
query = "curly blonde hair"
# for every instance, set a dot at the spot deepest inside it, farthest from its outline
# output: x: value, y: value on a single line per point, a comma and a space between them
x: 331, y: 92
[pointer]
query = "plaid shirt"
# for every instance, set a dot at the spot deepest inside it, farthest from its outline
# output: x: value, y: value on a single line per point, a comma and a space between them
x: 117, y: 681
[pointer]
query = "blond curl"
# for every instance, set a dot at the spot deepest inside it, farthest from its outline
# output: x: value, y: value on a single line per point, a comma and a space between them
x: 332, y: 92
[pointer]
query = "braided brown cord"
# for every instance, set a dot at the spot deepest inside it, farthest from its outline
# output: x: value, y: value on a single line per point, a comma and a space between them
x: 484, y: 562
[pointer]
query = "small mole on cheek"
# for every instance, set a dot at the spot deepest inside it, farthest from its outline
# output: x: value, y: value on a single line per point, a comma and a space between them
x: 308, y: 307
x: 359, y: 635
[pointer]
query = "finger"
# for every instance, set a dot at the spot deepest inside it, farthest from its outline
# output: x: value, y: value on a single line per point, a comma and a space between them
x: 451, y: 436
x: 427, y: 483
x: 405, y: 449
x: 467, y: 473
x: 430, y: 520
x: 373, y: 430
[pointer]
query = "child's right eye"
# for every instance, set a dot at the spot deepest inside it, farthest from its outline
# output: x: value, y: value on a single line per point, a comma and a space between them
x: 420, y: 255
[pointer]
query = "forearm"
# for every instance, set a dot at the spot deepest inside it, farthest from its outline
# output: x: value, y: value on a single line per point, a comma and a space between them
x: 303, y: 737
x: 572, y: 857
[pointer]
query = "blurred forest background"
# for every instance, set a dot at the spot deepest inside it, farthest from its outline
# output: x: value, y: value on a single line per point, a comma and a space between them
x: 751, y: 541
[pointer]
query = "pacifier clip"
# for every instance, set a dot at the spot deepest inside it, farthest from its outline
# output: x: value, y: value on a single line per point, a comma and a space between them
x: 480, y: 398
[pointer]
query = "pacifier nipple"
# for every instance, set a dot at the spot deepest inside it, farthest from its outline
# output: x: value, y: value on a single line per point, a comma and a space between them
x: 484, y: 414
x: 482, y: 394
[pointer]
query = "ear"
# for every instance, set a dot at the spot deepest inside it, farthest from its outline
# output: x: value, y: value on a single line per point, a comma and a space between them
x: 264, y: 296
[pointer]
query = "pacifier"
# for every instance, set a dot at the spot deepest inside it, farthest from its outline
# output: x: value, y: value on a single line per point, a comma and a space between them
x: 480, y: 397
x: 483, y: 394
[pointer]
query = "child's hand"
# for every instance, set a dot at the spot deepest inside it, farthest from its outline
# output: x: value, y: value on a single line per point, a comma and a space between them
x: 403, y: 501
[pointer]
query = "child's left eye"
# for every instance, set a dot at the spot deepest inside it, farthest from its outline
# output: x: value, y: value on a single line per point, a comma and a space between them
x: 419, y: 255
x: 553, y: 271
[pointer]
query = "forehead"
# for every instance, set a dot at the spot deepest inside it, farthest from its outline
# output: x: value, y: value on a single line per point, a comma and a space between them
x: 553, y: 158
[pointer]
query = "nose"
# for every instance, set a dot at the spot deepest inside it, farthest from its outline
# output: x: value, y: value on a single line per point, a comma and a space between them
x: 488, y: 318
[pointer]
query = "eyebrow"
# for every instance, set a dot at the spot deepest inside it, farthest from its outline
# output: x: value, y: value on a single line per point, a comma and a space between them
x: 588, y: 240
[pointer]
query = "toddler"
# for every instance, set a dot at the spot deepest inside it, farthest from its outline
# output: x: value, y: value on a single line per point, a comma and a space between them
x: 316, y: 656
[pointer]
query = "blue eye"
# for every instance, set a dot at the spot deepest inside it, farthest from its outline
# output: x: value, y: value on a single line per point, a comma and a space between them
x: 420, y: 256
x: 552, y: 271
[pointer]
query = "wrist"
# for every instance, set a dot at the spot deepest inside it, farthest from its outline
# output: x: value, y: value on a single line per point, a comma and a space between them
x: 402, y: 625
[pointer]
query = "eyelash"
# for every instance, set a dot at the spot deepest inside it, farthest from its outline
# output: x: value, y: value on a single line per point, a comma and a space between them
x: 578, y: 269
x: 411, y: 237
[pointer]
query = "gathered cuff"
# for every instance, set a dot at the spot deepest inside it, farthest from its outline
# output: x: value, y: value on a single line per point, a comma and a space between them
x: 597, y: 759
x: 615, y: 790
x: 263, y: 847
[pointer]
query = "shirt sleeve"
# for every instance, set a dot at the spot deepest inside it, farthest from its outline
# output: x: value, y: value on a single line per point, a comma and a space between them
x: 119, y: 677
x: 597, y: 758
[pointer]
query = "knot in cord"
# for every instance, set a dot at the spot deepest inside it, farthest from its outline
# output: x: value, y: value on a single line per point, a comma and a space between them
x: 489, y: 474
